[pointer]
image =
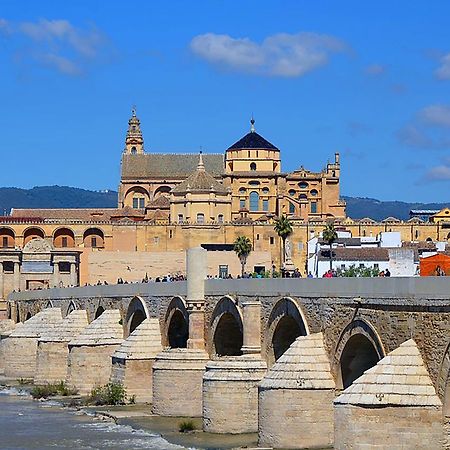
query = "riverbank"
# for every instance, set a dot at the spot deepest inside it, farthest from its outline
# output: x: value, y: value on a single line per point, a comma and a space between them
x: 126, y: 422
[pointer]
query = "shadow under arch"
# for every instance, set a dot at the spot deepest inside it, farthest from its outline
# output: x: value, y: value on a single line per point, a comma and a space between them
x: 98, y: 312
x: 49, y: 304
x: 176, y: 324
x: 137, y: 312
x: 286, y: 323
x: 28, y: 316
x: 72, y: 307
x: 227, y: 328
x: 359, y: 348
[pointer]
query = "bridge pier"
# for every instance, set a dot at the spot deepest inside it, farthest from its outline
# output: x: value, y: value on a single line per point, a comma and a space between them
x: 296, y: 398
x: 178, y: 372
x: 392, y: 405
x: 21, y: 345
x: 53, y: 350
x: 230, y: 384
x: 7, y: 326
x: 89, y: 362
x: 133, y: 361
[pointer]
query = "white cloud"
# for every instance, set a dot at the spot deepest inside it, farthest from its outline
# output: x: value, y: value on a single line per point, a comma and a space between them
x: 443, y: 71
x: 375, y: 70
x: 439, y: 173
x: 57, y: 43
x: 438, y: 115
x: 283, y: 55
x: 412, y: 136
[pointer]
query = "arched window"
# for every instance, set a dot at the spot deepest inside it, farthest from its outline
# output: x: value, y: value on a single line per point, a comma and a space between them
x: 242, y: 190
x: 94, y: 238
x: 7, y: 238
x: 200, y: 218
x: 63, y: 237
x: 253, y: 166
x: 303, y: 185
x: 265, y: 190
x: 291, y: 192
x: 254, y: 201
x: 220, y: 218
x: 302, y: 197
x: 32, y: 233
x: 133, y: 150
x: 291, y: 208
x: 314, y: 192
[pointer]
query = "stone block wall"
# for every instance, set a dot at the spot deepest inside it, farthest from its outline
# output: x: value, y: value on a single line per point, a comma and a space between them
x: 20, y: 357
x: 389, y: 428
x: 89, y: 366
x: 296, y: 418
x: 51, y: 362
x: 136, y: 377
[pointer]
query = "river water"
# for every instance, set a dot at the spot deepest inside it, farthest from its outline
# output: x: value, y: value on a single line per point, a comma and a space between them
x: 26, y: 424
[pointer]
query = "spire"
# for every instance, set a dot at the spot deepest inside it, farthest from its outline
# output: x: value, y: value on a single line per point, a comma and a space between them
x: 134, y: 142
x: 200, y: 166
x: 252, y: 127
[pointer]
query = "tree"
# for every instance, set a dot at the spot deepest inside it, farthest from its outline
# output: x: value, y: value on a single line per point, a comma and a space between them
x: 283, y: 228
x: 242, y: 247
x: 329, y: 235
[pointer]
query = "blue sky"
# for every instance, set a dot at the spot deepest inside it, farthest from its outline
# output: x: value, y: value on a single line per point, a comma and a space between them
x: 368, y: 79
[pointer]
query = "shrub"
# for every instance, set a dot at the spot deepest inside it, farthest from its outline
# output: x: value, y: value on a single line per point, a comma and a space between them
x: 109, y: 394
x: 185, y: 426
x: 50, y: 390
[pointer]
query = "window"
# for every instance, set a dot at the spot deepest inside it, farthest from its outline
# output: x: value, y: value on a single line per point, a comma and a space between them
x: 223, y: 271
x: 8, y: 267
x: 170, y: 234
x: 272, y: 240
x: 142, y: 202
x: 64, y: 241
x: 265, y: 191
x: 254, y: 183
x: 133, y: 150
x: 314, y: 192
x: 138, y: 202
x: 303, y: 185
x: 242, y: 190
x: 5, y: 242
x: 64, y: 267
x: 200, y: 218
x: 302, y: 197
x: 242, y: 203
x: 220, y: 218
x: 254, y: 201
x: 135, y: 202
x: 265, y: 203
x: 93, y: 242
x: 417, y: 234
x: 291, y: 192
x: 253, y: 166
x: 291, y: 208
x: 313, y: 207
x: 257, y: 237
x: 376, y: 266
x: 180, y: 218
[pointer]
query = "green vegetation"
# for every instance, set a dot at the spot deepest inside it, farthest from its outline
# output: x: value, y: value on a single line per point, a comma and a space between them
x: 242, y: 247
x: 52, y: 390
x: 186, y: 426
x: 329, y: 235
x: 283, y: 228
x: 109, y: 394
x: 354, y: 271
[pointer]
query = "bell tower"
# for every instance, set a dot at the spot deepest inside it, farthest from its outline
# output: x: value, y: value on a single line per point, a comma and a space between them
x: 134, y: 142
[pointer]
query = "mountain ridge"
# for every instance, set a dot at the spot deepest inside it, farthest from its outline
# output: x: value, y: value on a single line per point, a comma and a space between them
x: 70, y: 197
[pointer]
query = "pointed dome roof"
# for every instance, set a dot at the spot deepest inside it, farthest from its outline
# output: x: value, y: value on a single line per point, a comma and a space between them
x: 304, y: 365
x: 70, y: 327
x: 400, y: 378
x: 252, y: 140
x: 105, y: 330
x: 200, y: 181
x: 38, y: 324
x: 143, y: 343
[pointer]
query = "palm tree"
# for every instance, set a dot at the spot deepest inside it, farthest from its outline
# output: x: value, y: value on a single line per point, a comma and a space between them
x: 283, y: 228
x: 242, y: 247
x: 329, y: 235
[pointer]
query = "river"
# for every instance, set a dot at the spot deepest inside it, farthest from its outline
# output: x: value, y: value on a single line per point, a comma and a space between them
x: 27, y: 424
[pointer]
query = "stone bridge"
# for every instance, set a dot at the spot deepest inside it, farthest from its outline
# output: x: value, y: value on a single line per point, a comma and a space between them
x: 361, y: 320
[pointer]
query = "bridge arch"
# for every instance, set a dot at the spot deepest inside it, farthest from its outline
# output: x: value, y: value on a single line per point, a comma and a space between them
x: 286, y: 323
x: 48, y: 304
x: 176, y: 324
x: 137, y: 312
x: 227, y: 328
x: 359, y: 348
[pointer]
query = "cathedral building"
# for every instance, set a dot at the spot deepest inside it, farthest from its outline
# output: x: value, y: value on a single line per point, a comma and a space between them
x: 245, y: 183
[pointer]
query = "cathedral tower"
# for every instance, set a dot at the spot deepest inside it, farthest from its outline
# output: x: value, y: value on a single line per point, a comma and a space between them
x: 134, y: 142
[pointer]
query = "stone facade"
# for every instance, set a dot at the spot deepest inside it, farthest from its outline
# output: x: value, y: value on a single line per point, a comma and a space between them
x: 177, y: 382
